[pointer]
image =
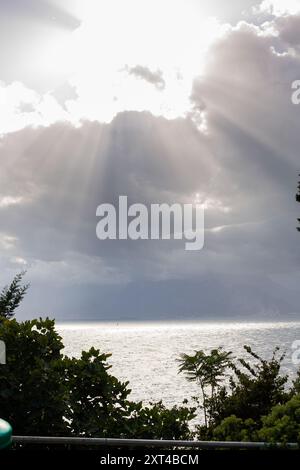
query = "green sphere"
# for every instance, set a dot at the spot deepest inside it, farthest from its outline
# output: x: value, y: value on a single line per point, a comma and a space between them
x: 5, y: 434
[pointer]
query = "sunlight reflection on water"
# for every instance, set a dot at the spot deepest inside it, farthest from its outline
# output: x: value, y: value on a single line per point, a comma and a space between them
x: 146, y: 353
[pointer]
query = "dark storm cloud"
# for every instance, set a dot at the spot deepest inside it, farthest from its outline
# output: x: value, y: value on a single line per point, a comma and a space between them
x: 78, y: 169
x: 289, y: 28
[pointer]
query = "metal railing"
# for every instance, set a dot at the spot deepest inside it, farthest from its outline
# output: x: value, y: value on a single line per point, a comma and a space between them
x: 111, y: 442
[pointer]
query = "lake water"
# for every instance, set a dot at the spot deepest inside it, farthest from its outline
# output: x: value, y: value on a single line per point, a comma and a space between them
x: 146, y: 353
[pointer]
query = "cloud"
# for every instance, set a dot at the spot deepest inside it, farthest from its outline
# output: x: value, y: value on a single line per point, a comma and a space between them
x: 243, y: 166
x: 288, y: 28
x: 22, y: 107
x: 154, y: 78
x: 64, y: 93
x: 7, y: 201
x: 44, y: 11
x: 280, y: 7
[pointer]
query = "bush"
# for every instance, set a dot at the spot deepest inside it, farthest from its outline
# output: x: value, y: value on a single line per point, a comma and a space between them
x: 236, y: 429
x: 253, y: 389
x: 283, y: 423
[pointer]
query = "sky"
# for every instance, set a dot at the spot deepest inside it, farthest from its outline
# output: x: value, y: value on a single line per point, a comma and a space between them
x: 165, y: 102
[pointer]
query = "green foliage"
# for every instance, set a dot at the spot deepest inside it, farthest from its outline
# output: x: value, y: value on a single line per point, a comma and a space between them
x: 158, y: 422
x: 45, y: 393
x: 32, y: 394
x: 208, y: 370
x: 235, y: 429
x: 253, y: 389
x: 97, y: 400
x: 234, y: 411
x: 283, y: 423
x: 255, y: 406
x: 12, y: 295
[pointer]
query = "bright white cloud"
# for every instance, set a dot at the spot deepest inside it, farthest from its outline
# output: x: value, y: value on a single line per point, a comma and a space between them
x: 21, y: 107
x: 7, y: 201
x: 114, y: 38
x: 280, y: 7
x: 171, y: 36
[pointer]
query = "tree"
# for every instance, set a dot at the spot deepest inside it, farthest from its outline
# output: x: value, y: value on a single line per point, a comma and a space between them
x: 208, y: 370
x: 98, y: 401
x: 33, y: 394
x: 258, y: 386
x: 237, y: 407
x: 253, y: 389
x: 298, y: 200
x: 12, y: 295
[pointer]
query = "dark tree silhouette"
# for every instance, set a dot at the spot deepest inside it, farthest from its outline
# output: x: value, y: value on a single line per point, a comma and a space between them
x: 12, y: 295
x: 298, y: 200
